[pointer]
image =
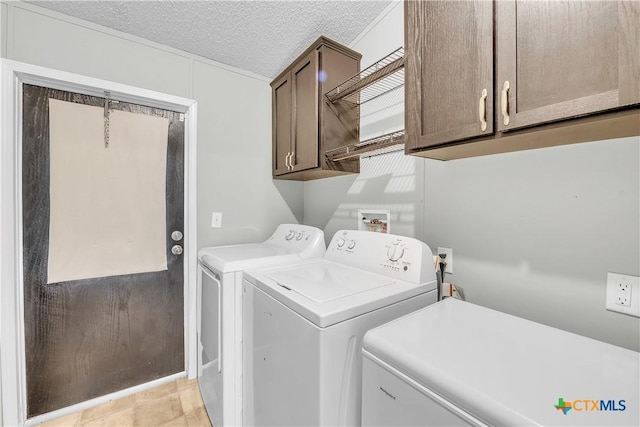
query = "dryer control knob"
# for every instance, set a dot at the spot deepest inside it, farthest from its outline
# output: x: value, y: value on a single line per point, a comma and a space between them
x: 340, y: 242
x: 351, y: 245
x: 290, y: 235
x: 395, y: 252
x: 299, y: 236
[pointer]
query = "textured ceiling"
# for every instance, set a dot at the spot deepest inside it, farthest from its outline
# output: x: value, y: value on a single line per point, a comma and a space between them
x: 259, y: 36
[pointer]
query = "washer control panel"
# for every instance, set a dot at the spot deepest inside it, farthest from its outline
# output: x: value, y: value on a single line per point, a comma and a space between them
x: 293, y: 233
x: 402, y: 257
x: 298, y: 238
x: 395, y: 252
x: 296, y: 235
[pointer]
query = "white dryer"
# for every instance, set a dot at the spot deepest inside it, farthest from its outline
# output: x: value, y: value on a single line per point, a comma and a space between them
x: 220, y: 311
x: 304, y: 324
x: 455, y: 363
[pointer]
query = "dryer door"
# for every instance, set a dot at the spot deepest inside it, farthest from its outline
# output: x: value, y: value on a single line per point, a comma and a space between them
x: 211, y: 320
x: 210, y: 336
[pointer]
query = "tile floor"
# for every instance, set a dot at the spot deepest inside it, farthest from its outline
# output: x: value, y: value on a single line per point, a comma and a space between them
x: 176, y: 404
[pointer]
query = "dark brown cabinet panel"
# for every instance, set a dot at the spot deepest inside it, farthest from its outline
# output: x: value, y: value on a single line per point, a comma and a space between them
x: 564, y: 72
x: 563, y: 59
x: 448, y: 71
x: 304, y: 147
x: 304, y: 124
x: 281, y: 106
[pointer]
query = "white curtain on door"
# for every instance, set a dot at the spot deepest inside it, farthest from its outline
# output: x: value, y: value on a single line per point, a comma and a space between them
x: 108, y: 204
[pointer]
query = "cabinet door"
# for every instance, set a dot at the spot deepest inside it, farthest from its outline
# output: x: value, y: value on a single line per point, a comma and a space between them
x: 305, y: 118
x: 448, y: 67
x: 282, y: 113
x: 565, y: 59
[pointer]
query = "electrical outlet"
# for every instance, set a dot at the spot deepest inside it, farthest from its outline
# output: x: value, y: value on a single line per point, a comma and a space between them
x: 449, y: 259
x: 216, y: 219
x: 623, y: 294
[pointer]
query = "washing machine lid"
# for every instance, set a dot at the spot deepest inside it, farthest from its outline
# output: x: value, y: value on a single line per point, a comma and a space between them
x: 505, y: 370
x: 326, y: 292
x: 241, y: 257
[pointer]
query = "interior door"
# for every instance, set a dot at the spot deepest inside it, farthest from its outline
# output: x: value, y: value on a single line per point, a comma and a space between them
x: 89, y: 336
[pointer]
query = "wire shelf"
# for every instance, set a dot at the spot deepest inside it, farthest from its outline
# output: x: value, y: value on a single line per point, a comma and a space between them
x: 378, y: 145
x: 345, y: 100
x: 381, y: 77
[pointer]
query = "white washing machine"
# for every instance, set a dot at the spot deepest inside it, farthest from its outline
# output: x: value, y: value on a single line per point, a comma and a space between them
x: 455, y: 363
x: 220, y: 311
x: 304, y: 324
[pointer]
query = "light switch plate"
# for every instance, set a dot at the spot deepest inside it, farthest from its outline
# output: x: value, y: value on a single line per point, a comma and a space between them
x: 216, y: 219
x: 623, y: 294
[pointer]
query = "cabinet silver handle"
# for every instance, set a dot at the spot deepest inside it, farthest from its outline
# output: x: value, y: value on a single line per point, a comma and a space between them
x: 504, y: 103
x: 286, y: 161
x: 482, y: 110
x: 291, y: 159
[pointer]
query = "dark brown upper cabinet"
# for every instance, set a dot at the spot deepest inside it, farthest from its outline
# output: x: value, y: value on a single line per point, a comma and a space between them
x: 564, y: 72
x: 304, y: 123
x: 281, y: 109
x: 563, y: 59
x: 448, y: 71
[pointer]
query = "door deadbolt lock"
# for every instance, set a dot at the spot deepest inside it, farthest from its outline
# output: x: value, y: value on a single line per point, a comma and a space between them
x: 176, y: 236
x: 176, y: 250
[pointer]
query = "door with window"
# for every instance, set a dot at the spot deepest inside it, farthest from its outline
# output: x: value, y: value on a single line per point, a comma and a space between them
x: 102, y: 207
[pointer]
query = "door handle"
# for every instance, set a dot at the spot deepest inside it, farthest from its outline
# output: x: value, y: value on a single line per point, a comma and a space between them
x: 482, y: 110
x: 504, y: 103
x: 176, y: 250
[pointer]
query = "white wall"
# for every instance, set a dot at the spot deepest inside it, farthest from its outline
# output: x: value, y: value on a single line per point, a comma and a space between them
x: 234, y: 113
x: 3, y: 24
x: 234, y: 159
x: 71, y: 45
x: 392, y: 181
x: 533, y: 233
x: 3, y: 49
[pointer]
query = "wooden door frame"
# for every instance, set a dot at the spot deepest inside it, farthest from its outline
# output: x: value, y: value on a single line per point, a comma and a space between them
x: 12, y: 354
